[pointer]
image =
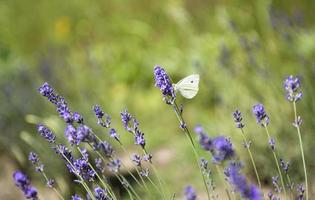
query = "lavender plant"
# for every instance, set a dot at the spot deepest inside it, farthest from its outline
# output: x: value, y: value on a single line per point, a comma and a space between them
x: 91, y: 159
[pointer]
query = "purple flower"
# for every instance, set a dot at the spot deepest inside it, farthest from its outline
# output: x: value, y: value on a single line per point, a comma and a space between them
x: 61, y: 104
x: 100, y: 194
x: 99, y: 164
x: 82, y: 167
x: 260, y: 114
x: 147, y: 157
x: 272, y: 144
x: 84, y: 134
x: 46, y: 133
x: 300, y: 192
x: 39, y: 168
x: 239, y: 182
x: 113, y: 133
x: 136, y: 158
x: 22, y: 182
x: 77, y: 117
x: 144, y: 172
x: 50, y: 183
x: 292, y: 86
x: 33, y: 157
x: 139, y: 138
x: 71, y: 134
x: 190, y: 193
x: 76, y: 197
x: 114, y: 165
x: 237, y: 115
x: 126, y: 118
x: 222, y: 150
x: 204, y: 140
x: 100, y: 114
x: 284, y: 165
x: 64, y: 152
x: 163, y: 82
x: 107, y: 148
x: 30, y: 193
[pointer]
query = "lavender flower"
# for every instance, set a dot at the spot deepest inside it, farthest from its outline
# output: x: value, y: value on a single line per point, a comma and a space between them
x: 76, y: 197
x: 298, y: 122
x: 82, y: 168
x: 107, y: 148
x: 126, y: 118
x: 84, y: 134
x: 71, y: 134
x: 237, y: 115
x: 272, y: 144
x: 163, y: 82
x: 50, y: 183
x: 275, y: 183
x: 33, y: 157
x: 136, y: 158
x: 46, y: 133
x: 148, y: 157
x: 284, y: 165
x: 101, y: 194
x: 77, y: 117
x: 61, y: 104
x: 139, y: 138
x: 144, y: 172
x: 99, y: 164
x: 190, y: 193
x: 64, y: 152
x: 239, y: 182
x: 22, y: 182
x: 223, y: 149
x: 292, y: 86
x: 260, y: 114
x: 39, y: 168
x: 204, y: 140
x: 99, y: 114
x: 114, y: 165
x: 300, y: 192
x: 113, y: 133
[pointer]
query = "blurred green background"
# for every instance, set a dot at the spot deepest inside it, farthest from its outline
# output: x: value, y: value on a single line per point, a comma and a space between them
x: 103, y: 52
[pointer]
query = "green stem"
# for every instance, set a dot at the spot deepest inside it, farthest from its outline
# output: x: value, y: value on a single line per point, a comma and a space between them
x: 222, y: 178
x: 251, y: 157
x: 188, y: 135
x: 55, y: 190
x: 277, y: 163
x: 301, y: 148
x: 81, y: 179
x: 101, y: 180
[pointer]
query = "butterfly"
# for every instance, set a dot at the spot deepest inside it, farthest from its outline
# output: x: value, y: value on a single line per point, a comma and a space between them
x: 188, y: 87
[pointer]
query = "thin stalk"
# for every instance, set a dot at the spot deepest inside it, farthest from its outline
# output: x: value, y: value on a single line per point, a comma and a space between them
x: 55, y: 190
x: 277, y: 163
x: 223, y: 180
x: 81, y: 179
x: 122, y: 163
x: 121, y: 181
x: 251, y: 157
x: 289, y: 182
x: 188, y: 135
x: 101, y: 180
x: 301, y: 148
x: 156, y: 174
x: 143, y: 182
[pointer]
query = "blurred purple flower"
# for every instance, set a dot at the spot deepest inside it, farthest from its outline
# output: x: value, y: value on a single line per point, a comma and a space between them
x: 260, y: 114
x: 190, y: 193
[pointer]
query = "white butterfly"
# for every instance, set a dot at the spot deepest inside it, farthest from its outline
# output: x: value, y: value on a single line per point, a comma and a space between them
x: 188, y: 86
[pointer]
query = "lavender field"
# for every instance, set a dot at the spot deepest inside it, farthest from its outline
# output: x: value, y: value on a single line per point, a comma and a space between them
x: 157, y: 100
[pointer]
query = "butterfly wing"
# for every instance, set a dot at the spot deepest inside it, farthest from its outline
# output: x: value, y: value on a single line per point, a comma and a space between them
x: 188, y: 86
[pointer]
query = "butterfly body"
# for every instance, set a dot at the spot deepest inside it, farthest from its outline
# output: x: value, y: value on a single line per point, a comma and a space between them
x: 188, y: 87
